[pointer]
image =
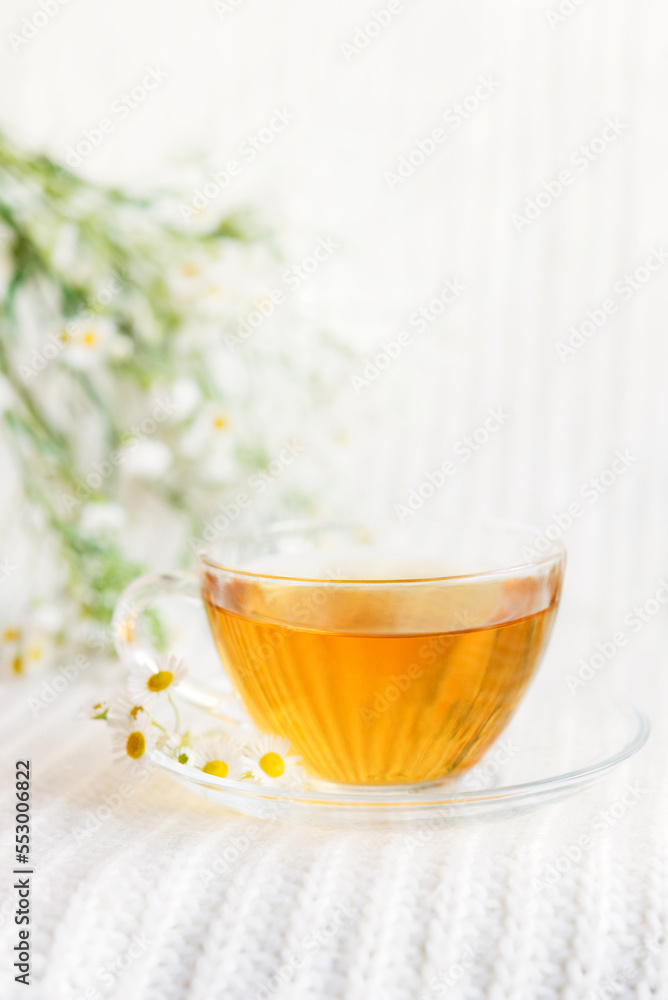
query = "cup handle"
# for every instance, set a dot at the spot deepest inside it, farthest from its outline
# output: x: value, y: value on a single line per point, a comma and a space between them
x: 138, y: 598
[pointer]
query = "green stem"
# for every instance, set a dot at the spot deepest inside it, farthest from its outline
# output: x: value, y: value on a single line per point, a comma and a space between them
x: 177, y: 722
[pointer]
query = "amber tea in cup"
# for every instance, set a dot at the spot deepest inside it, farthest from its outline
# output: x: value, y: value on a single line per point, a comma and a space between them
x: 385, y: 654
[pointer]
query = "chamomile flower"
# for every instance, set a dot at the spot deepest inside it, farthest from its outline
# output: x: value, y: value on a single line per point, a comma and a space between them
x: 134, y: 743
x: 36, y: 649
x: 221, y: 757
x: 181, y: 751
x: 148, y: 685
x: 199, y: 282
x: 187, y: 279
x: 125, y: 711
x: 10, y: 649
x: 88, y: 342
x: 219, y: 420
x: 99, y: 710
x: 210, y: 440
x: 25, y: 649
x: 270, y: 762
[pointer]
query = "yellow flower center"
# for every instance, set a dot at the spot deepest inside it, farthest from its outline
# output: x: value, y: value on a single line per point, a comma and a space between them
x: 34, y: 652
x: 272, y: 764
x: 64, y: 337
x: 17, y: 665
x: 90, y: 338
x: 217, y: 767
x: 135, y: 746
x: 190, y: 270
x: 220, y: 423
x: 182, y: 758
x: 11, y: 634
x: 135, y: 710
x: 160, y: 681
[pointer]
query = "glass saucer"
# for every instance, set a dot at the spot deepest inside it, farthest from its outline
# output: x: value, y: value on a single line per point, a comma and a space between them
x: 553, y: 747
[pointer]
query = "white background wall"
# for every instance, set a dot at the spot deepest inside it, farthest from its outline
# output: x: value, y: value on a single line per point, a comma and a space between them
x: 325, y: 174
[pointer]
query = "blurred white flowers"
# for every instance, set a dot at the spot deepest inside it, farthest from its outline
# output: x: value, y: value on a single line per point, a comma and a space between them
x: 146, y: 459
x: 91, y: 342
x: 185, y: 395
x: 97, y: 518
x: 27, y: 646
x: 129, y: 418
x: 200, y: 281
x: 211, y: 441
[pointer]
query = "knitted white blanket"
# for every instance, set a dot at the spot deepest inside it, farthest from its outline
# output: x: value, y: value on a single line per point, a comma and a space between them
x: 147, y: 891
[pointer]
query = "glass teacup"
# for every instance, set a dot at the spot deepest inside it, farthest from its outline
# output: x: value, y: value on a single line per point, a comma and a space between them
x: 386, y: 654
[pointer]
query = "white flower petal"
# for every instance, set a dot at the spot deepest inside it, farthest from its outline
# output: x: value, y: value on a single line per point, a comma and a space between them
x: 184, y: 395
x: 146, y: 459
x: 49, y: 618
x: 99, y: 517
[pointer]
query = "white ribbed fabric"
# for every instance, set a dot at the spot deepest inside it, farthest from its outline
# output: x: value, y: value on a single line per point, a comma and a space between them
x: 203, y: 904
